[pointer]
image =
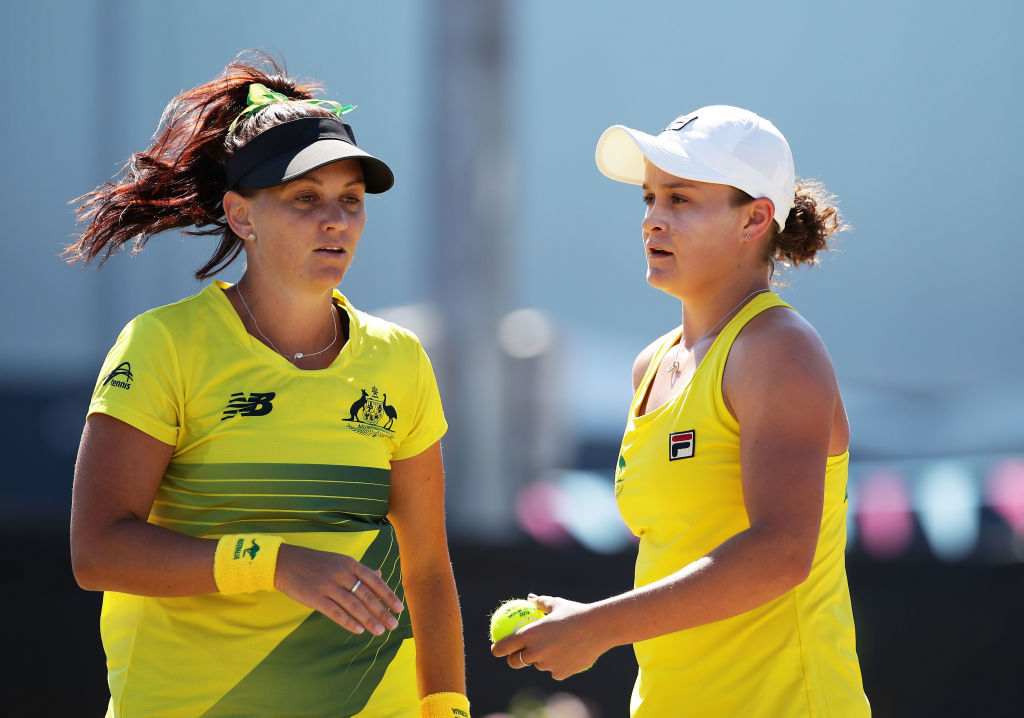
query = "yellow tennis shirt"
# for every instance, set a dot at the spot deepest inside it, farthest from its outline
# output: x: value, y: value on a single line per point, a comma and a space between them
x: 261, y: 446
x: 678, y: 488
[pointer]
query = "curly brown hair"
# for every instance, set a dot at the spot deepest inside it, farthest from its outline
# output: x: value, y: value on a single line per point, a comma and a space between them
x: 178, y: 181
x: 811, y: 227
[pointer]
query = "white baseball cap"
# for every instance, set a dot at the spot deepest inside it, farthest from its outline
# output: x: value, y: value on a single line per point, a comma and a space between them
x: 718, y: 144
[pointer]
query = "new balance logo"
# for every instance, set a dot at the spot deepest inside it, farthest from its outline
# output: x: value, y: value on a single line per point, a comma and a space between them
x: 681, y: 444
x: 124, y: 371
x: 258, y: 403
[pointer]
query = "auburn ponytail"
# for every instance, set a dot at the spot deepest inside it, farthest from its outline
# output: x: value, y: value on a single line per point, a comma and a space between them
x: 178, y: 181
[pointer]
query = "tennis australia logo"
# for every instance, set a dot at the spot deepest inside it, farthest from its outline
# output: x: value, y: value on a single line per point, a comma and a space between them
x: 257, y: 403
x: 121, y: 377
x: 371, y: 415
x: 681, y: 444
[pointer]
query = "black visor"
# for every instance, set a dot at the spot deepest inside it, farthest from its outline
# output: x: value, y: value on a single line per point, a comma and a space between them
x: 292, y: 149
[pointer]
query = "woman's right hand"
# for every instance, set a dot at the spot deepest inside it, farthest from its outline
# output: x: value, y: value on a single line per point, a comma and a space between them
x: 323, y: 581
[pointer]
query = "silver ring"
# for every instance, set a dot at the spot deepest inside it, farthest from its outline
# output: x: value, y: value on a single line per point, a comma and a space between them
x: 522, y: 660
x: 357, y: 585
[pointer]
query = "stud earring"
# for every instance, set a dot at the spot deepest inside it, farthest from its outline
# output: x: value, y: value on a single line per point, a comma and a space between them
x: 746, y: 235
x: 253, y: 236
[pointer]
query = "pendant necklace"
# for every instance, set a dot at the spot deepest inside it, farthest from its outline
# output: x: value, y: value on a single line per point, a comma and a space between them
x: 298, y: 355
x: 675, y: 367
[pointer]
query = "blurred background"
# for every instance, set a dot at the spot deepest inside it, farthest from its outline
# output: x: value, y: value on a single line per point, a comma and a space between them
x: 521, y: 269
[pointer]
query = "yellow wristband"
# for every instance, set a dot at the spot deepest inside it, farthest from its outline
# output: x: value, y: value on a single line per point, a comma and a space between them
x: 444, y: 705
x: 246, y: 562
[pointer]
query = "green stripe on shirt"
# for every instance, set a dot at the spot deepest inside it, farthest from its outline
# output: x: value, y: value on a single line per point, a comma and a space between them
x: 198, y: 499
x: 339, y: 670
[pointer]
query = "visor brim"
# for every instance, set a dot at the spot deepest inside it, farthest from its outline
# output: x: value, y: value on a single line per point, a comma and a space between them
x: 292, y: 164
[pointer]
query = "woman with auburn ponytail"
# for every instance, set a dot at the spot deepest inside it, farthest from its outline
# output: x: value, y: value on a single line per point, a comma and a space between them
x: 267, y: 540
x: 733, y: 465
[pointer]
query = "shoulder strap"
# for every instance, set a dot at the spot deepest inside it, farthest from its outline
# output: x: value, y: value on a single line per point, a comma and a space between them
x: 719, y: 352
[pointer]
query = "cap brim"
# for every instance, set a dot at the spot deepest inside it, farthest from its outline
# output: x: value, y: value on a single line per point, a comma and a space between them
x: 293, y: 164
x: 621, y: 152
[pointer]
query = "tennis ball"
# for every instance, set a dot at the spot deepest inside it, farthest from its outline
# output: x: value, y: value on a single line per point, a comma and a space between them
x: 511, y: 616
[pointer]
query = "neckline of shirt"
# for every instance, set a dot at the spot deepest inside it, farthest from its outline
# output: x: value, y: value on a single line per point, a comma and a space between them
x: 674, y: 339
x: 237, y: 327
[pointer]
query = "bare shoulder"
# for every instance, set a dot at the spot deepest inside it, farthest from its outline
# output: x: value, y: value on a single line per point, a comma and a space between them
x: 645, y: 357
x: 781, y: 344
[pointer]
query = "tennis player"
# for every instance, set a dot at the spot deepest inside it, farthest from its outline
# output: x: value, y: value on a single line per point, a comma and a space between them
x: 733, y: 465
x: 259, y: 489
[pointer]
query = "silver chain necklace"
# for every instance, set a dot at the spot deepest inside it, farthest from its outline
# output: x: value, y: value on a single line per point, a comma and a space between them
x: 675, y: 367
x: 298, y: 355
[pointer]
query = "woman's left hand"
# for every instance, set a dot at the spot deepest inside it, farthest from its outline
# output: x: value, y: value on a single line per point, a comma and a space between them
x: 563, y: 642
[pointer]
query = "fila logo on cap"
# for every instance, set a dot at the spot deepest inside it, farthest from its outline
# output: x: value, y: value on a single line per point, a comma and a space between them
x: 681, y: 444
x: 681, y: 122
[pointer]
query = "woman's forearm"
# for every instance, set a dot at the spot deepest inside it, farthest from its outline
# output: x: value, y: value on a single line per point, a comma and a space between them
x: 133, y: 556
x: 437, y: 624
x: 748, y: 570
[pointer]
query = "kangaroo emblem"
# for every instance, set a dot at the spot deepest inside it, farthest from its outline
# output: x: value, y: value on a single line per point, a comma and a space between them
x: 252, y: 550
x: 372, y: 416
x: 357, y: 407
x: 390, y: 412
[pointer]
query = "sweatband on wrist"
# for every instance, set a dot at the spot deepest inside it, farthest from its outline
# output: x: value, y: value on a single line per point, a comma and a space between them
x: 246, y: 562
x: 444, y: 705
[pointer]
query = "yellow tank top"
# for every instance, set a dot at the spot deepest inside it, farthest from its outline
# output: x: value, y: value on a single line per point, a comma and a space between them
x: 678, y: 488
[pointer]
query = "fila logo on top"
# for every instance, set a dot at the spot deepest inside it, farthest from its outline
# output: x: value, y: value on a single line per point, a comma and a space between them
x: 681, y: 444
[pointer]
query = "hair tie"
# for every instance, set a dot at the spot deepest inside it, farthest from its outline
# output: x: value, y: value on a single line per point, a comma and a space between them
x: 261, y: 96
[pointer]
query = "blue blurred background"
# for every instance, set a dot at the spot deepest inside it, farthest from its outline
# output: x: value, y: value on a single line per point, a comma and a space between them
x: 521, y: 268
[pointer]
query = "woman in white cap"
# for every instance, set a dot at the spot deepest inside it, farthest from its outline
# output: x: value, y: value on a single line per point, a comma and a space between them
x: 255, y: 455
x: 733, y: 465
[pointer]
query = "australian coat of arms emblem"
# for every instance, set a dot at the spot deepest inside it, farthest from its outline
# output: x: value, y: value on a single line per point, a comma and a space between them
x: 371, y: 414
